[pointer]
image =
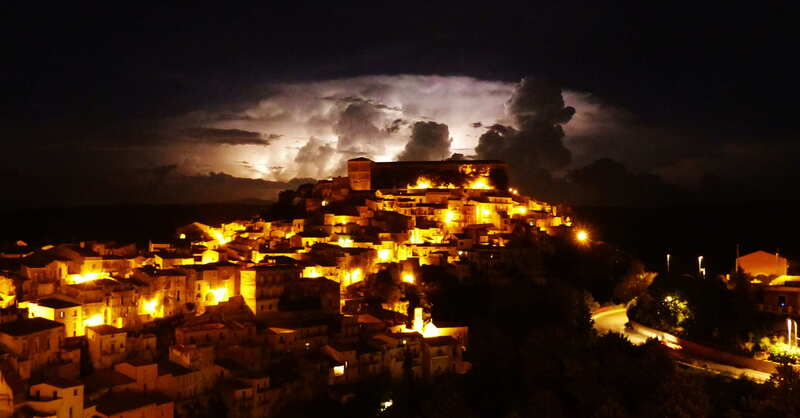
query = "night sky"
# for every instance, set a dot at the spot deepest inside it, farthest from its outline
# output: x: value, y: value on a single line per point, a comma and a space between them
x: 104, y: 104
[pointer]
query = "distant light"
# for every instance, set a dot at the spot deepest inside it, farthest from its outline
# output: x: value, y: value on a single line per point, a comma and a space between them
x: 582, y: 236
x: 386, y: 405
x: 93, y: 321
x: 220, y: 294
x: 324, y: 203
x: 182, y: 236
x: 408, y: 278
x: 384, y: 254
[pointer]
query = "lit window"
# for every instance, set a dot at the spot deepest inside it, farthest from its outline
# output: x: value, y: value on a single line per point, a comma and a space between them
x: 338, y: 370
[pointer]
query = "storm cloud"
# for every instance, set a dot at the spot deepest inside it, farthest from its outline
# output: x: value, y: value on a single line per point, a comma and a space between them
x: 225, y: 136
x: 533, y: 147
x: 429, y: 141
x: 310, y: 129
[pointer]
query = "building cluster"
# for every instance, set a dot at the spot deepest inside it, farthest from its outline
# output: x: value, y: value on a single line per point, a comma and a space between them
x: 250, y: 315
x: 777, y: 291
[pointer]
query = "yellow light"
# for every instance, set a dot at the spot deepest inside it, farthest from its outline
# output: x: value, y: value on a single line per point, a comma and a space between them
x: 582, y: 236
x: 355, y: 276
x: 324, y: 203
x: 345, y: 242
x: 219, y: 237
x: 220, y: 294
x: 311, y: 272
x: 480, y: 183
x: 416, y: 236
x: 426, y: 183
x: 521, y: 210
x: 338, y: 370
x: 150, y: 306
x: 384, y: 254
x: 408, y: 278
x: 449, y: 216
x: 86, y: 277
x: 182, y: 236
x: 422, y: 183
x: 93, y: 321
x: 486, y: 212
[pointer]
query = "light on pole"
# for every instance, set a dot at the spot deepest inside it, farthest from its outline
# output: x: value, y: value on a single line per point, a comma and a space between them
x: 700, y: 268
x: 791, y: 325
x: 668, y: 256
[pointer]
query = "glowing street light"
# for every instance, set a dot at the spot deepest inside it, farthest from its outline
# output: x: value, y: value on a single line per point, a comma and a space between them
x: 700, y: 269
x: 582, y: 236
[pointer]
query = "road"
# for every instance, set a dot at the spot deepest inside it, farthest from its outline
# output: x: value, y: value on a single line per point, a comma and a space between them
x: 614, y: 320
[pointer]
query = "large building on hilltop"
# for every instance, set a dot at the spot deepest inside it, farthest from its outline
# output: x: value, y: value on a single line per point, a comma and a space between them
x: 365, y: 174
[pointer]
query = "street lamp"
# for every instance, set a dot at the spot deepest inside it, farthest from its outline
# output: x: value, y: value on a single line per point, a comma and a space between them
x: 700, y: 268
x: 582, y: 236
x: 791, y: 325
x: 668, y: 256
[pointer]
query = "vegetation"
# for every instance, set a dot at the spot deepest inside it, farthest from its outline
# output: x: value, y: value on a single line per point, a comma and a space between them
x: 708, y: 310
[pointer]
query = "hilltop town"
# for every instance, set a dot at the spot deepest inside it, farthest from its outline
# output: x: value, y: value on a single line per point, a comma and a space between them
x: 325, y: 291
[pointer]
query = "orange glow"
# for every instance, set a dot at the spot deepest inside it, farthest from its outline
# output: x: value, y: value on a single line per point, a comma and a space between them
x: 408, y: 278
x: 150, y: 306
x: 486, y: 212
x: 427, y: 329
x: 354, y: 276
x: 426, y: 183
x: 311, y: 272
x: 479, y: 183
x: 416, y: 236
x: 219, y: 237
x: 384, y: 254
x: 220, y: 294
x: 93, y: 321
x: 522, y: 210
x: 324, y: 203
x: 86, y: 277
x: 449, y: 217
x: 582, y: 236
x: 345, y: 242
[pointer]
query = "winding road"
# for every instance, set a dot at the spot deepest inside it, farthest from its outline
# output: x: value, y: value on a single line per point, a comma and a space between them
x: 613, y: 319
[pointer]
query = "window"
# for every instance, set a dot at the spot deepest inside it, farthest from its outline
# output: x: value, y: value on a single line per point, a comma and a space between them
x: 61, y: 314
x: 75, y: 392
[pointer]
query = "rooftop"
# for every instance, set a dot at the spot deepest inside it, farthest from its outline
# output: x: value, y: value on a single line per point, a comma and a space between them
x: 28, y: 326
x: 106, y: 330
x: 61, y: 382
x: 117, y: 402
x: 56, y: 303
x: 105, y: 378
x: 175, y: 369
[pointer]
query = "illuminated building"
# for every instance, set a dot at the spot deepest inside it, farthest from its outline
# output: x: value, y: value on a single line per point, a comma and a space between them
x: 257, y: 290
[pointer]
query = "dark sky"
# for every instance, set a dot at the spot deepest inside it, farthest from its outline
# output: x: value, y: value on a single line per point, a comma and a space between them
x: 105, y: 104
